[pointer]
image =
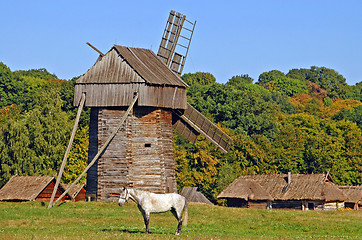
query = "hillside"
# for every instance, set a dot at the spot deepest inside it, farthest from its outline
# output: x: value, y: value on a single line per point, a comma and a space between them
x: 305, y: 121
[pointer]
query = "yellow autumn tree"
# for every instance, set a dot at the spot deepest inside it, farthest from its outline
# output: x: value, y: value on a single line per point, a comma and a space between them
x: 78, y: 157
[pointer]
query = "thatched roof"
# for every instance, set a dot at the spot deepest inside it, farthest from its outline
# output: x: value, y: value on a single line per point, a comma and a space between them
x: 25, y: 188
x: 245, y: 189
x: 301, y: 187
x: 145, y: 63
x: 353, y: 193
x: 192, y: 195
x: 75, y: 190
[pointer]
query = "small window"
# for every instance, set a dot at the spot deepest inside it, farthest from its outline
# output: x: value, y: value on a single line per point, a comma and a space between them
x: 147, y: 145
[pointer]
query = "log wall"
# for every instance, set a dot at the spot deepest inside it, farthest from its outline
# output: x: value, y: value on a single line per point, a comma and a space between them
x: 141, y: 154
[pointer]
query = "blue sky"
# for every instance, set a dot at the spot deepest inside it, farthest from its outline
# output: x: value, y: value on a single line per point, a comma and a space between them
x: 231, y: 37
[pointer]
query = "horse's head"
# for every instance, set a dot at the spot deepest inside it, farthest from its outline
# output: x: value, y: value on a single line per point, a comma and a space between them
x: 123, y: 197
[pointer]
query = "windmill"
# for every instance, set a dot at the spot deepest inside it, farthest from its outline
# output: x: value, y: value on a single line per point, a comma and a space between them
x: 137, y: 99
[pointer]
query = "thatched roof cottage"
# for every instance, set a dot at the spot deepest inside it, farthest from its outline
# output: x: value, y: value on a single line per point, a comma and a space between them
x: 354, y: 196
x: 30, y: 188
x: 292, y: 191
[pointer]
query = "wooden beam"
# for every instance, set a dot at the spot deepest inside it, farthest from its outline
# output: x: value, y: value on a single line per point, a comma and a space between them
x: 102, y: 148
x: 80, y: 108
x: 175, y: 41
x: 94, y: 48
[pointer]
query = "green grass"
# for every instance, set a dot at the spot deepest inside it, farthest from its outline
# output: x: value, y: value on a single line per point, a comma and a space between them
x: 97, y: 220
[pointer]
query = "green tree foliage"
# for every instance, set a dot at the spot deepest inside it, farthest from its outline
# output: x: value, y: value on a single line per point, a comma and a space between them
x: 252, y: 155
x: 328, y: 79
x: 269, y: 137
x: 196, y: 166
x: 33, y: 143
x: 354, y: 92
x: 199, y: 78
x: 41, y: 73
x: 276, y: 127
x: 35, y: 129
x: 321, y: 145
x: 11, y: 88
x: 239, y: 105
x: 351, y: 114
x: 78, y: 157
x: 276, y: 81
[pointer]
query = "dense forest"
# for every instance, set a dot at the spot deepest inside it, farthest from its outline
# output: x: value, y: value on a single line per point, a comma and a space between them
x: 305, y: 121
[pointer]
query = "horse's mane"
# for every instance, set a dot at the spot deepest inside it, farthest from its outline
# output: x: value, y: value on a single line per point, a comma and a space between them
x: 137, y: 191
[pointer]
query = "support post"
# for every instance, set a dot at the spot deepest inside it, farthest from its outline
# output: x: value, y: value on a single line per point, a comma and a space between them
x: 80, y: 108
x: 102, y: 149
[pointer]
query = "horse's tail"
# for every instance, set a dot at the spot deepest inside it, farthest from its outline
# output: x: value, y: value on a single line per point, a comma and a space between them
x: 185, y: 214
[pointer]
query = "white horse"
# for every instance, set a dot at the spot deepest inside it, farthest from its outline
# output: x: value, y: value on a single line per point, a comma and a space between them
x: 148, y: 202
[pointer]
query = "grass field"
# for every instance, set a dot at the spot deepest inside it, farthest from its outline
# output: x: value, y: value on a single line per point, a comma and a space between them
x: 97, y: 220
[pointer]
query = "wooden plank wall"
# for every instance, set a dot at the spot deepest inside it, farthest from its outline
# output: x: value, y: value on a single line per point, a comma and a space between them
x: 258, y: 204
x: 112, y: 171
x: 117, y: 94
x: 141, y: 155
x: 46, y: 194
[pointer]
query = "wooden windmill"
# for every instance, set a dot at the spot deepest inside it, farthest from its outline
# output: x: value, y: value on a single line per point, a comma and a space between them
x: 137, y: 99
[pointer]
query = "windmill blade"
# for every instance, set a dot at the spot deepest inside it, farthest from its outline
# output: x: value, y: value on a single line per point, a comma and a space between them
x: 173, y: 52
x: 191, y: 123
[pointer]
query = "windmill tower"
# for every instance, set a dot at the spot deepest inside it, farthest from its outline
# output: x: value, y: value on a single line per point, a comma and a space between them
x: 145, y: 93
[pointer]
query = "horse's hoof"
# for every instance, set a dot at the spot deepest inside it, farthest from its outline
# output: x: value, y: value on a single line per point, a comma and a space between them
x: 177, y: 233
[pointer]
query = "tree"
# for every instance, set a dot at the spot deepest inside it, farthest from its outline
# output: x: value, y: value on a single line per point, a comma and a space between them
x: 200, y: 78
x: 240, y: 105
x: 252, y: 155
x: 196, y: 166
x: 276, y: 81
x: 34, y: 143
x: 328, y: 79
x: 325, y: 145
x: 316, y: 91
x: 40, y: 73
x: 288, y: 149
x: 11, y: 88
x: 78, y: 157
x: 351, y: 114
x: 354, y: 92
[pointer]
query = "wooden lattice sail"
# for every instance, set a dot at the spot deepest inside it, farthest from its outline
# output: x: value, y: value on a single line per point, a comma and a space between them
x: 176, y: 41
x: 189, y: 122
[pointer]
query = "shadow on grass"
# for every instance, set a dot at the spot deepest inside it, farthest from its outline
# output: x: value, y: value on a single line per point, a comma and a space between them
x: 123, y: 230
x: 134, y: 231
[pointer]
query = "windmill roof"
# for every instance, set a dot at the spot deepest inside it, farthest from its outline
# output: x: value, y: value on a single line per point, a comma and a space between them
x: 146, y: 66
x: 302, y: 187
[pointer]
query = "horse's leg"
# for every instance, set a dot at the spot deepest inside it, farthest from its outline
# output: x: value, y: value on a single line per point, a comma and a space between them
x: 179, y: 219
x: 146, y: 218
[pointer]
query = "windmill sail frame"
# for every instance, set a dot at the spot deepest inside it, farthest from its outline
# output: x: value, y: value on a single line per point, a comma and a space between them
x: 190, y: 123
x: 171, y: 52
